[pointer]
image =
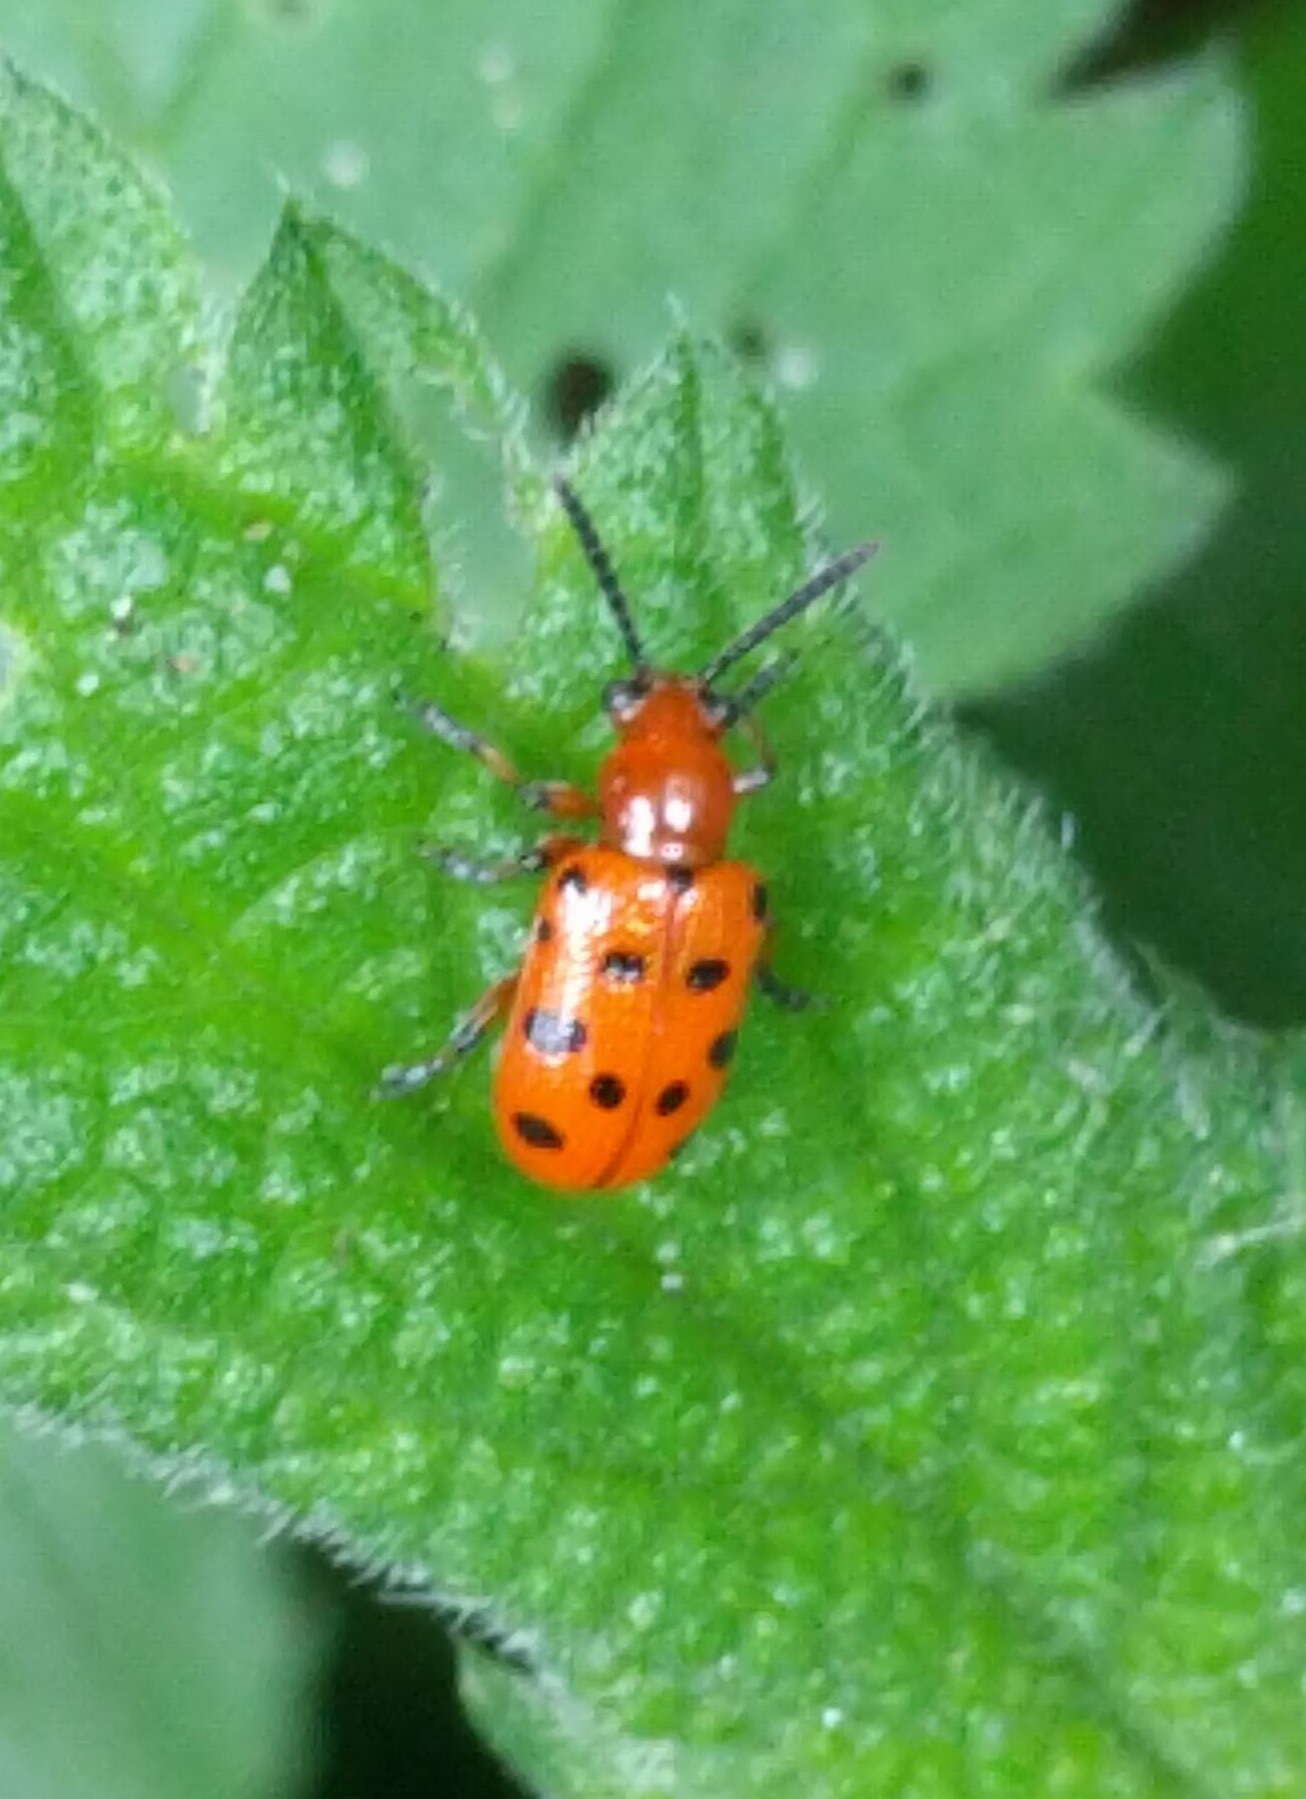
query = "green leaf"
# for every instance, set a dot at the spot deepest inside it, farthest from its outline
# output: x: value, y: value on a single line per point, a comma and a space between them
x: 1181, y: 744
x: 113, y: 287
x: 935, y: 1424
x: 941, y: 254
x: 150, y: 1648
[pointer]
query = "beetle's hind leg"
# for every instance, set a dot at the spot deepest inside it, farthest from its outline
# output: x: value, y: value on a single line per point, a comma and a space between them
x: 489, y: 1010
x: 780, y: 993
x: 543, y: 855
x: 558, y: 798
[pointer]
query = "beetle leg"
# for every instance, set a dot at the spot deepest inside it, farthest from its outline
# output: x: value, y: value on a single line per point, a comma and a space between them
x: 437, y: 721
x: 543, y: 855
x: 752, y: 780
x: 560, y: 798
x: 489, y: 1009
x: 780, y: 993
x: 791, y: 999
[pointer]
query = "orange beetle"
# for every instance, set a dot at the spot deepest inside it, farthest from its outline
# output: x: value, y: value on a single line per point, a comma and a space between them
x: 623, y: 1015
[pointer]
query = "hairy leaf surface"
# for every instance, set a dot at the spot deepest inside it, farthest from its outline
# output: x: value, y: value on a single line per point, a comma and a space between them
x: 935, y: 1423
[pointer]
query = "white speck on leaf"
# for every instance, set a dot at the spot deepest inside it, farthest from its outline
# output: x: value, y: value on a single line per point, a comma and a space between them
x: 345, y: 163
x: 797, y: 367
x: 496, y: 64
x: 643, y: 1610
x: 507, y: 111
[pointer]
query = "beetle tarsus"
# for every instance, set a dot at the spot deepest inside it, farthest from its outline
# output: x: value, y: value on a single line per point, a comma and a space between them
x: 780, y: 993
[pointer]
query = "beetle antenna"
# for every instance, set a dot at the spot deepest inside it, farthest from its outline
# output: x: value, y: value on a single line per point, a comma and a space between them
x: 604, y: 573
x: 738, y: 705
x: 799, y: 600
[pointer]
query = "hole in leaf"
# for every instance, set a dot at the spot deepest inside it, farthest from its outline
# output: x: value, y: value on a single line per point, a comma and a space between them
x: 748, y: 339
x: 578, y: 385
x: 296, y: 14
x: 907, y: 81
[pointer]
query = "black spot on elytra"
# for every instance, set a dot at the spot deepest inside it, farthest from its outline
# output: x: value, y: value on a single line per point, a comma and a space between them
x: 552, y: 1034
x: 723, y: 1048
x: 543, y: 931
x: 573, y: 876
x: 671, y: 1098
x: 706, y: 974
x: 761, y: 901
x: 682, y: 879
x: 536, y: 1131
x: 607, y: 1090
x: 623, y: 965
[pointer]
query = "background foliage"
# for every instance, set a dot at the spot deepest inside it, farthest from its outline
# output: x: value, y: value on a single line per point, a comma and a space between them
x: 1161, y: 737
x: 1177, y: 741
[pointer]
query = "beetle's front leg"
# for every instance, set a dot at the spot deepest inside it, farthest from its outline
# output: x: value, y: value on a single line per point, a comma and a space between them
x: 558, y: 798
x: 752, y: 780
x: 543, y: 855
x: 490, y: 1009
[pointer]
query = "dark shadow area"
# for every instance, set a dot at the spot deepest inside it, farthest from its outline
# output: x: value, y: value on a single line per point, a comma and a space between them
x: 391, y: 1725
x: 1149, y: 32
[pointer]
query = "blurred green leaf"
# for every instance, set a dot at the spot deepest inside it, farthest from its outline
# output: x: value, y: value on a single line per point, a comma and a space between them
x: 1180, y: 745
x: 935, y: 1423
x: 150, y: 1647
x: 940, y: 257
